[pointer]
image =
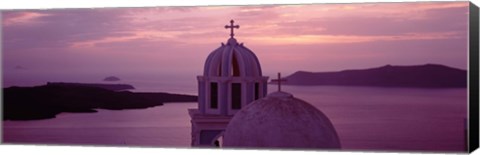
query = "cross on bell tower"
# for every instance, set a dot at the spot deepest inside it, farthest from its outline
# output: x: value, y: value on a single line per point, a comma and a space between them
x: 231, y: 27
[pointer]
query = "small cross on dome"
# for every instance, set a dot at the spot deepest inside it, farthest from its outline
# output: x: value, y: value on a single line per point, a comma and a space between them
x: 279, y: 81
x: 231, y: 27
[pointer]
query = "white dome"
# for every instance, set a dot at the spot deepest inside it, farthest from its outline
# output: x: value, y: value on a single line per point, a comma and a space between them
x: 280, y: 121
x: 230, y: 59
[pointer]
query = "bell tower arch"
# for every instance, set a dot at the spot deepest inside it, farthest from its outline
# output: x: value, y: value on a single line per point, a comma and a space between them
x: 232, y: 78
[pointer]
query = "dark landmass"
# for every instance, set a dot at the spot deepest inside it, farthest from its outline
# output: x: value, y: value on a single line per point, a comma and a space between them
x: 421, y: 76
x: 43, y: 102
x: 113, y: 87
x: 111, y: 78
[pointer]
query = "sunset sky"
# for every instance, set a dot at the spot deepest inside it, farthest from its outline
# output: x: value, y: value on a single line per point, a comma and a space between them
x: 68, y: 44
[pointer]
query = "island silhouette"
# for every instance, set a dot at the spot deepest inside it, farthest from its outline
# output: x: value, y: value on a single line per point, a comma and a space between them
x: 46, y: 101
x: 111, y: 79
x: 417, y: 76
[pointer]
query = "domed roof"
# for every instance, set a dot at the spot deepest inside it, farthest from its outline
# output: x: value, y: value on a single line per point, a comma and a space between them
x: 232, y: 58
x: 280, y: 121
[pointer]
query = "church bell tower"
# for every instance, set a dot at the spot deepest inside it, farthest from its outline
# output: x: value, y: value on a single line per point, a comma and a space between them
x: 232, y: 78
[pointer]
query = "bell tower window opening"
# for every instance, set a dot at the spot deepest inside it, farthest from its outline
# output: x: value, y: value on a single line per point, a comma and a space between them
x: 236, y: 96
x: 257, y: 91
x: 213, y: 95
x: 235, y: 67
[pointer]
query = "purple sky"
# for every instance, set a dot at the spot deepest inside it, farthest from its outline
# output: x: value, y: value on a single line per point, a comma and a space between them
x: 174, y: 41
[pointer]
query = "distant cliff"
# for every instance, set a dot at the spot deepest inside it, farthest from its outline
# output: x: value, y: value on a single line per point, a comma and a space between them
x: 111, y: 79
x: 422, y: 76
x: 42, y: 102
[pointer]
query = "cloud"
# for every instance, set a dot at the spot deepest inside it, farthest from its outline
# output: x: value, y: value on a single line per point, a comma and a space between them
x: 366, y: 19
x: 134, y: 38
x: 87, y: 27
x: 343, y: 39
x: 18, y: 18
x: 59, y: 28
x: 402, y: 11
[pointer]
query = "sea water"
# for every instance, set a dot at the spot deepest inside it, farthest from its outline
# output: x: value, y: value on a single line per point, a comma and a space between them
x: 366, y: 118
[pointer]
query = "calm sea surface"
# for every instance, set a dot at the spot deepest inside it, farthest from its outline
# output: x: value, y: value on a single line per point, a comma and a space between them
x: 364, y: 117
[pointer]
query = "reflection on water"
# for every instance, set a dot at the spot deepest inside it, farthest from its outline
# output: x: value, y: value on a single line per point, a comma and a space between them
x: 392, y: 118
x: 364, y: 117
x: 166, y: 125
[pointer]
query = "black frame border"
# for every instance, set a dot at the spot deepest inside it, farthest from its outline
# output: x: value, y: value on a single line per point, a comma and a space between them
x: 473, y: 108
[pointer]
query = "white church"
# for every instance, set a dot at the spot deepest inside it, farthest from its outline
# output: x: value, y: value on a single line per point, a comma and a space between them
x: 234, y: 110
